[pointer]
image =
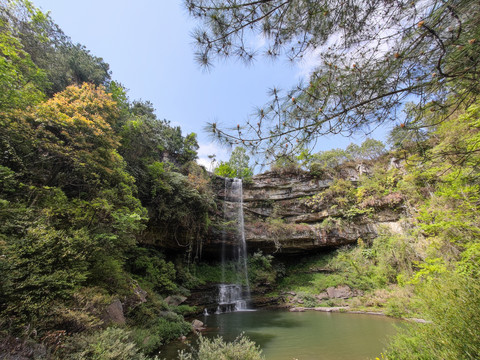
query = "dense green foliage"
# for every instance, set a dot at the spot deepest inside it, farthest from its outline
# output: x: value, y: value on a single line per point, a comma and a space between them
x: 327, y: 163
x: 62, y: 62
x: 86, y: 178
x: 450, y: 302
x: 113, y: 343
x: 370, y: 149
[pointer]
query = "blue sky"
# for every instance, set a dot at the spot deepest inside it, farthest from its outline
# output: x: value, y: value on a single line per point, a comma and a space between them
x: 148, y: 46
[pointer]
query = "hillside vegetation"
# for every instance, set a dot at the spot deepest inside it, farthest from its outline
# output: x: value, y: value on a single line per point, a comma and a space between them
x: 86, y: 177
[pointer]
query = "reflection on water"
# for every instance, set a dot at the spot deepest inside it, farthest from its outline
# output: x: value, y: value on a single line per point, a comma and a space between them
x: 305, y: 336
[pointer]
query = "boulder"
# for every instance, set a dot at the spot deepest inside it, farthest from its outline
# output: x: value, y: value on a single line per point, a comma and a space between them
x: 175, y: 300
x: 295, y: 299
x: 138, y: 296
x: 197, y: 325
x: 322, y: 296
x: 113, y: 313
x: 297, y: 309
x: 340, y: 292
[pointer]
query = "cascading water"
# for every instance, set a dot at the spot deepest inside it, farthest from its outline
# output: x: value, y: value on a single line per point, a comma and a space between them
x: 230, y: 298
x: 234, y: 297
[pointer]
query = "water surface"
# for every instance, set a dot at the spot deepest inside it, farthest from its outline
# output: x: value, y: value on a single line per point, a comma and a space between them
x: 310, y: 335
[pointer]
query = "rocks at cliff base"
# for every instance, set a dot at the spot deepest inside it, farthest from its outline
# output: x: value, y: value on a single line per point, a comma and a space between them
x: 339, y: 292
x: 197, y: 326
x: 138, y: 296
x: 297, y: 309
x: 175, y: 300
x: 331, y: 309
x: 113, y: 313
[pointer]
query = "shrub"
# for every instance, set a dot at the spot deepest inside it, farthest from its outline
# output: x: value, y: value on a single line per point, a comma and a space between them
x: 161, y: 325
x: 44, y: 266
x: 109, y: 344
x: 150, y: 266
x: 317, y: 170
x: 145, y: 340
x: 387, y: 259
x: 217, y: 349
x: 285, y: 165
x: 260, y: 269
x: 308, y: 300
x: 451, y: 303
x: 186, y: 310
x: 168, y: 330
x: 145, y: 315
x: 84, y: 312
x: 396, y: 307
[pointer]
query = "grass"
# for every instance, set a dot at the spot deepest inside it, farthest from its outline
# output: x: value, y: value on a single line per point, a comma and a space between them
x: 302, y: 277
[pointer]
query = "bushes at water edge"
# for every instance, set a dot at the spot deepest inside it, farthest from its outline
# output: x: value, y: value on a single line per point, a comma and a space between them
x: 217, y: 349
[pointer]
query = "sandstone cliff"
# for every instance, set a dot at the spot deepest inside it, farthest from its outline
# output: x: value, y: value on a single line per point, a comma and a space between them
x: 279, y: 220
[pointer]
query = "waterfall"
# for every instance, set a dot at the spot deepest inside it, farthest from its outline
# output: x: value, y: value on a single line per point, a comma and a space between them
x: 234, y: 297
x: 230, y: 298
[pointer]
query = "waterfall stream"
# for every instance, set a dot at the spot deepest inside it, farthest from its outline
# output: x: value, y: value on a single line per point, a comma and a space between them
x: 234, y: 297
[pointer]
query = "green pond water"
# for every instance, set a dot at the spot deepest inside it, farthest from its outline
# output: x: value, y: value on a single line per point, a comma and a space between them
x: 310, y: 335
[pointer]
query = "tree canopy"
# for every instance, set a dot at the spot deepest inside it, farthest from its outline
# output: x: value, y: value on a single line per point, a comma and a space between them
x: 62, y: 62
x: 237, y: 166
x: 372, y: 57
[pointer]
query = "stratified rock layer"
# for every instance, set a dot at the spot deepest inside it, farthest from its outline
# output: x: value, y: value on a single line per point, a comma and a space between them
x: 277, y: 219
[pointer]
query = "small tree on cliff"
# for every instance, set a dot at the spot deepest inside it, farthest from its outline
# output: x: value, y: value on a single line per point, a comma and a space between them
x: 237, y: 166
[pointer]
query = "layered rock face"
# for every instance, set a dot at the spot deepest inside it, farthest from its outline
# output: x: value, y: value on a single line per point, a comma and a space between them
x: 278, y: 219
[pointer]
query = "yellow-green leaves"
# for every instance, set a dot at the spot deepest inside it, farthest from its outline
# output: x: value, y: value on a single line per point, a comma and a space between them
x: 21, y: 81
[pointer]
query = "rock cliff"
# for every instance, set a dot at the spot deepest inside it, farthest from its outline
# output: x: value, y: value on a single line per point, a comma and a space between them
x: 278, y: 219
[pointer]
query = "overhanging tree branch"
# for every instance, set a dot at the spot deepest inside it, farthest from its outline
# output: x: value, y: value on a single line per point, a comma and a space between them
x: 373, y: 57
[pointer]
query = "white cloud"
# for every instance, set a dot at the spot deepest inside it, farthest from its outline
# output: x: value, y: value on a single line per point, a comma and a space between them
x: 206, y: 162
x: 204, y: 150
x: 210, y: 149
x: 309, y: 63
x: 312, y: 57
x: 259, y: 42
